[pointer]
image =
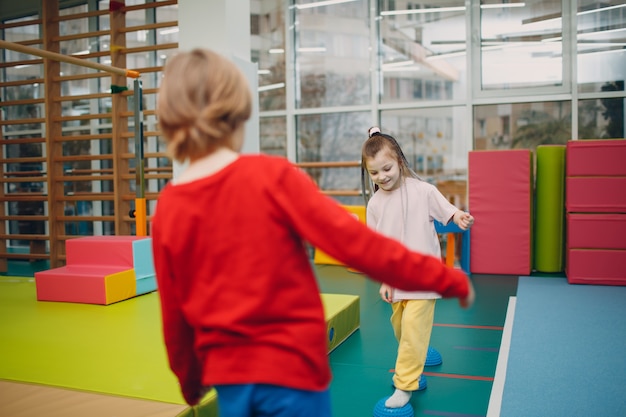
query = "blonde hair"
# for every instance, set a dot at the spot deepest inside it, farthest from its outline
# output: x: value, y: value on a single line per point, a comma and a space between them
x: 203, y: 100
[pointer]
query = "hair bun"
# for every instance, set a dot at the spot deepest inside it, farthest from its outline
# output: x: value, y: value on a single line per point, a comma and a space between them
x: 373, y: 130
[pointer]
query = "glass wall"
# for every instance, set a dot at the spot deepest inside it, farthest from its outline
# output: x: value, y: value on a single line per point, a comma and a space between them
x: 521, y: 44
x: 601, y: 65
x: 444, y: 77
x: 331, y: 138
x: 331, y: 53
x: 413, y: 68
x: 80, y: 132
x: 23, y: 147
x: 422, y: 50
x: 267, y: 24
x: 601, y: 118
x: 522, y: 125
x: 427, y: 137
x: 600, y: 42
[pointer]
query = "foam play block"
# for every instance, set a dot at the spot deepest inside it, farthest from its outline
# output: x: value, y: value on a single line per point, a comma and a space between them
x: 104, y: 250
x: 146, y: 284
x: 596, y: 231
x: 342, y: 314
x: 95, y: 260
x: 144, y: 266
x: 600, y: 157
x: 501, y: 201
x: 321, y: 258
x: 142, y: 258
x: 596, y: 266
x: 85, y: 284
x: 549, y: 232
x: 595, y: 194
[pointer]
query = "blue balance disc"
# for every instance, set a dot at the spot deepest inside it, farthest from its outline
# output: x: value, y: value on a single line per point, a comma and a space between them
x: 422, y: 383
x: 433, y: 357
x: 381, y: 411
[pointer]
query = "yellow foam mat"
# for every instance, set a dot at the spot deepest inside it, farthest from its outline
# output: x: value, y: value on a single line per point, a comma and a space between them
x: 115, y: 352
x: 322, y: 258
x: 342, y: 317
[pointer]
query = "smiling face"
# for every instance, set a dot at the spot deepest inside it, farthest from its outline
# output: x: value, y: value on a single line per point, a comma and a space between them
x: 384, y: 169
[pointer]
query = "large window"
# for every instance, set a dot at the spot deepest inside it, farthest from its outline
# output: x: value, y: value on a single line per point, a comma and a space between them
x: 268, y: 50
x: 332, y: 53
x: 601, y: 66
x: 24, y: 148
x: 273, y: 132
x: 444, y: 77
x: 333, y: 137
x: 422, y: 50
x: 521, y: 44
x: 430, y: 139
x: 69, y: 142
x: 600, y: 43
x: 522, y: 125
x: 601, y: 118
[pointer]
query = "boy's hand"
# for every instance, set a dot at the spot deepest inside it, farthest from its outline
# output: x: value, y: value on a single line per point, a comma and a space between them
x: 463, y: 220
x: 471, y: 296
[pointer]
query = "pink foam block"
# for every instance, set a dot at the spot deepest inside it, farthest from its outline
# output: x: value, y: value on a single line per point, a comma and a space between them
x: 500, y: 199
x: 85, y: 284
x: 101, y: 250
x: 596, y: 157
x: 596, y: 266
x: 595, y: 194
x: 596, y: 231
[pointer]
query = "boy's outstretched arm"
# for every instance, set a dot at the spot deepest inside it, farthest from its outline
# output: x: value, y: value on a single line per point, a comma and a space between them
x: 329, y: 227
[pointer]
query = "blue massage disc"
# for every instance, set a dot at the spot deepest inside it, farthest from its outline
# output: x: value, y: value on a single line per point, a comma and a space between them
x: 381, y: 411
x: 433, y: 357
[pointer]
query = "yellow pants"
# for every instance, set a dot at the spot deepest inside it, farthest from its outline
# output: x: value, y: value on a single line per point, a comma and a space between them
x: 412, y: 322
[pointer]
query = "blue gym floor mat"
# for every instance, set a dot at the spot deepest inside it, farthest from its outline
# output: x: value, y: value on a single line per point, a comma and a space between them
x: 568, y: 350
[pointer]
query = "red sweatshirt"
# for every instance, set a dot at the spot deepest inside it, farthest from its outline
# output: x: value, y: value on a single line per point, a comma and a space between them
x: 239, y: 299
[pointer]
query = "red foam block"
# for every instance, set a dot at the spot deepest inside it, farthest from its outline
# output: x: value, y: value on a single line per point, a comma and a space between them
x: 74, y: 284
x: 596, y: 266
x: 596, y: 231
x: 596, y: 157
x: 595, y: 194
x: 101, y: 250
x: 500, y: 199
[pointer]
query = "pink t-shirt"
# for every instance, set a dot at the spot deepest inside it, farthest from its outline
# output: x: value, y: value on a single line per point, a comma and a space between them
x: 407, y: 214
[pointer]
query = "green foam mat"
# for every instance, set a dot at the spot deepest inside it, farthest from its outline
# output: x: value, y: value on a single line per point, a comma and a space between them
x: 116, y: 351
x: 550, y: 209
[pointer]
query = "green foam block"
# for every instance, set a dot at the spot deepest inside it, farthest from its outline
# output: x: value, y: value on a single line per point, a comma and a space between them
x: 550, y: 209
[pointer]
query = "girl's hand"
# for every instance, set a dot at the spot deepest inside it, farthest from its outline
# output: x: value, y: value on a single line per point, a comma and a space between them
x: 386, y: 293
x: 463, y: 220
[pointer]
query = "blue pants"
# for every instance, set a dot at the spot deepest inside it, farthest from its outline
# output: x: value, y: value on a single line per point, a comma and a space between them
x: 261, y: 400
